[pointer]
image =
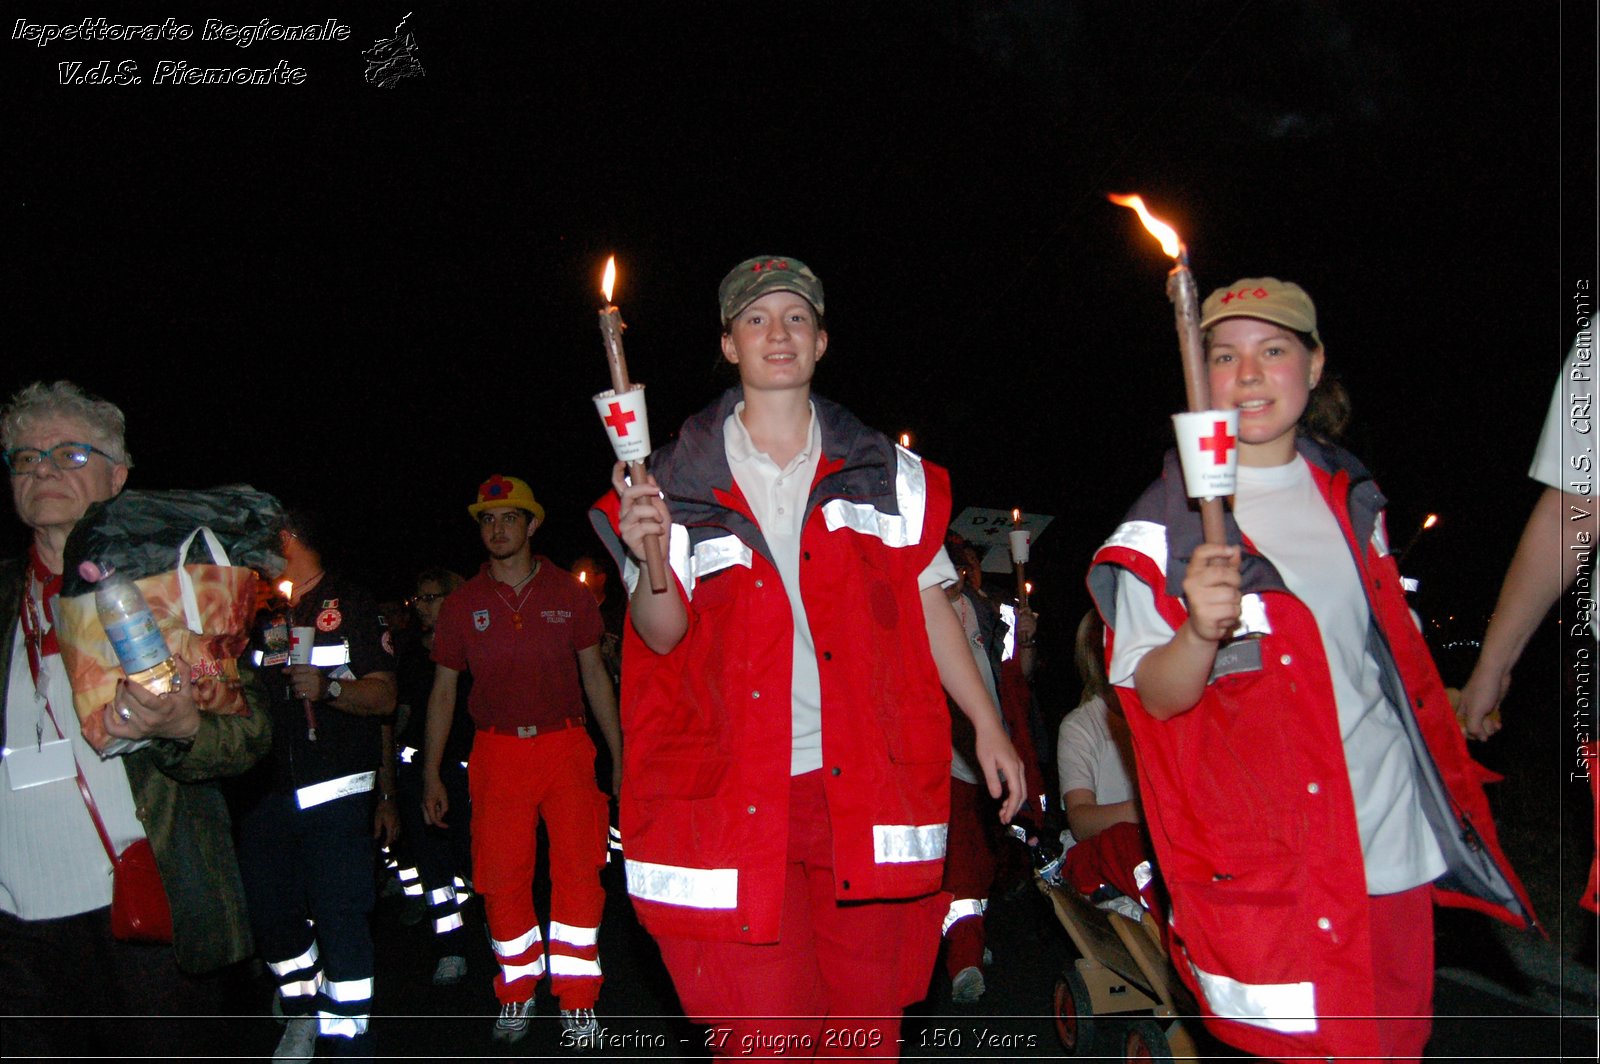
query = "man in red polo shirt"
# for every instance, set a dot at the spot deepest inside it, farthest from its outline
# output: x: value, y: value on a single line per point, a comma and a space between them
x: 529, y: 633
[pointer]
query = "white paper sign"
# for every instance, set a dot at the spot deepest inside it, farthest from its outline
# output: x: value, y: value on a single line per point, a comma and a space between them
x: 1208, y: 445
x: 990, y: 532
x: 627, y: 424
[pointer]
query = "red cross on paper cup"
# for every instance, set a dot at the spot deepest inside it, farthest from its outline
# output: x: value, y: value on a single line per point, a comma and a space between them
x: 1208, y: 444
x: 626, y: 423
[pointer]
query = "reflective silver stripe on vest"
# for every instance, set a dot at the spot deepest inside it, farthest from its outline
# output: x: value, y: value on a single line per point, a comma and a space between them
x: 1252, y: 617
x: 677, y: 558
x: 709, y: 556
x: 1287, y: 1007
x: 1142, y: 537
x: 695, y: 888
x: 962, y: 908
x: 328, y: 790
x: 911, y: 495
x: 714, y: 555
x: 908, y: 843
x: 1380, y: 535
x: 322, y: 657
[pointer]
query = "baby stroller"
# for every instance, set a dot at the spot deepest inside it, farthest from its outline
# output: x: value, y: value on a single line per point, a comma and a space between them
x: 1120, y: 997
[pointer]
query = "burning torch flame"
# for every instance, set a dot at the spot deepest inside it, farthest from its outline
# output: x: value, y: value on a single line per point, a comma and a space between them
x: 287, y: 587
x: 610, y: 278
x: 1027, y: 586
x: 1016, y: 517
x: 905, y: 440
x: 1430, y: 521
x: 583, y: 577
x: 1163, y: 232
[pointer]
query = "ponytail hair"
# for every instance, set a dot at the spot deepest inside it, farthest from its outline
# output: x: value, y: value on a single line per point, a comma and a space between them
x: 1327, y: 411
x: 1328, y: 408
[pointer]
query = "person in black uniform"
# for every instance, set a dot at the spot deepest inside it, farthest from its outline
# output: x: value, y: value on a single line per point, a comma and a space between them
x: 435, y: 863
x: 306, y: 843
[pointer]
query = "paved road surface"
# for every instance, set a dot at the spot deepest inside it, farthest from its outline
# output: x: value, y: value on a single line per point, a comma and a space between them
x: 1491, y: 1005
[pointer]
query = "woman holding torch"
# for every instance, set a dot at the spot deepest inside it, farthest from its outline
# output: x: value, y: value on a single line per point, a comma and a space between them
x: 1308, y: 792
x: 786, y: 799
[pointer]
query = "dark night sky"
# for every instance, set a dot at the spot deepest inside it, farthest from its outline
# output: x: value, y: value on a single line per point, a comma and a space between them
x: 367, y: 300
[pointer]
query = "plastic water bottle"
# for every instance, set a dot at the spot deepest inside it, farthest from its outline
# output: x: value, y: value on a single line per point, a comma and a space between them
x: 126, y: 617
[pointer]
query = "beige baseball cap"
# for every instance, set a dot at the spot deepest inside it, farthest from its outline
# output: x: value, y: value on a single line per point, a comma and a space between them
x: 1280, y: 302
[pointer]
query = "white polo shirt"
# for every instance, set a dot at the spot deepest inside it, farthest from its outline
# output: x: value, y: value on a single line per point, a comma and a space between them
x: 777, y: 499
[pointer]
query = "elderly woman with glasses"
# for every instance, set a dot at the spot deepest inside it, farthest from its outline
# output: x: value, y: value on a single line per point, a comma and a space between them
x: 69, y: 983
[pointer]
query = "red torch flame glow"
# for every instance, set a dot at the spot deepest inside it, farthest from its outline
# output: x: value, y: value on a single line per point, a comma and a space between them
x: 1163, y: 232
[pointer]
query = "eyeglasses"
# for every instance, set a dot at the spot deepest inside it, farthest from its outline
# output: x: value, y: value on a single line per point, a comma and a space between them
x: 428, y: 597
x: 64, y: 456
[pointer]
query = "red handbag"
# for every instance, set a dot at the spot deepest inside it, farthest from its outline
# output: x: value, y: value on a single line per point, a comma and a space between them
x: 139, y: 908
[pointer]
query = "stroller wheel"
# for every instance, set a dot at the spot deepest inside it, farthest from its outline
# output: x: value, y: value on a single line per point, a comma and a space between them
x: 1145, y: 1041
x: 1074, y: 1012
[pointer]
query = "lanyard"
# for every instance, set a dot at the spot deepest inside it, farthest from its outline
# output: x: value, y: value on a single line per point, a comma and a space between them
x: 42, y: 586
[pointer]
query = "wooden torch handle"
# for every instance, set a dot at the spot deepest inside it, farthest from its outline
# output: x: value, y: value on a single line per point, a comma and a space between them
x: 1196, y: 378
x: 654, y: 560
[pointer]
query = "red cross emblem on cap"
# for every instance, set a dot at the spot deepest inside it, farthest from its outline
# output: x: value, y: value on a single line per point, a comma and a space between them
x: 619, y: 419
x: 1219, y: 443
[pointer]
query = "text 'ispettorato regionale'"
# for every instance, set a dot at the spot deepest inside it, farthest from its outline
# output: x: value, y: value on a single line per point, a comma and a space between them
x: 176, y: 71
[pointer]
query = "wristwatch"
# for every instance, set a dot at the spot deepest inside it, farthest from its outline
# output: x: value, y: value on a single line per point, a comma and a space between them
x: 334, y: 690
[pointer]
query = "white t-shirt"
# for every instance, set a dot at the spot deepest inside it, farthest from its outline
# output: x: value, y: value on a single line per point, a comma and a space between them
x: 52, y: 862
x: 1091, y: 755
x: 1280, y: 509
x: 777, y: 498
x: 1569, y: 425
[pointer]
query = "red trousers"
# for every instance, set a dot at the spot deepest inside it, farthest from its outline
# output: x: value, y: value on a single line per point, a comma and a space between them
x: 1402, y: 971
x: 969, y: 867
x: 839, y: 976
x: 1402, y: 963
x: 514, y: 783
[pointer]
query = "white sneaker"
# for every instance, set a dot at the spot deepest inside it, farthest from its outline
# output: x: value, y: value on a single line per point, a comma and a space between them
x: 579, y: 1028
x: 449, y: 970
x: 512, y: 1026
x: 299, y: 1041
x: 967, y: 987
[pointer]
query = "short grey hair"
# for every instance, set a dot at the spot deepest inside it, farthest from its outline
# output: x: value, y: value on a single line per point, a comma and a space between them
x: 40, y: 401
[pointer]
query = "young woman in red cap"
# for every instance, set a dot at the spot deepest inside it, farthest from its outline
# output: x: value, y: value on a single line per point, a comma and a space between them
x: 1307, y: 788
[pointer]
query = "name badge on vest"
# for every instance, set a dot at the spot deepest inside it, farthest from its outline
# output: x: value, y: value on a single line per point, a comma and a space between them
x: 29, y: 766
x: 1241, y: 655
